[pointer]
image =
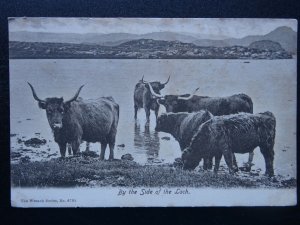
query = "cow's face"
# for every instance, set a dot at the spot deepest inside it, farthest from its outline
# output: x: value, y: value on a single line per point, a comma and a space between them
x: 162, y: 123
x: 55, y: 110
x: 172, y: 103
x: 157, y: 86
x: 189, y: 160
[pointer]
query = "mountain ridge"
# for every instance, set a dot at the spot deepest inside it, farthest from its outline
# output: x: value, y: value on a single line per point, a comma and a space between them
x: 284, y: 35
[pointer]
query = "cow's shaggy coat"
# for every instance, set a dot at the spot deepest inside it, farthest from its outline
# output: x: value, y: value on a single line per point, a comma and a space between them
x: 216, y: 105
x: 77, y: 120
x: 239, y: 133
x: 143, y: 97
x: 182, y: 126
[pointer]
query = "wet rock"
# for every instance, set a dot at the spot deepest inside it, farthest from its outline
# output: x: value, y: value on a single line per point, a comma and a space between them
x: 292, y: 182
x: 254, y: 174
x: 54, y: 154
x: 26, y: 149
x: 15, y: 155
x: 35, y: 142
x: 157, y: 161
x: 90, y: 154
x: 121, y: 145
x: 127, y: 157
x: 25, y: 159
x: 166, y: 138
x: 13, y: 135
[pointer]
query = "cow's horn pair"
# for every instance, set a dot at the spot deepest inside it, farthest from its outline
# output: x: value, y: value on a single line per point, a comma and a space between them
x: 43, y: 101
x: 153, y: 92
x: 189, y: 97
x: 145, y: 82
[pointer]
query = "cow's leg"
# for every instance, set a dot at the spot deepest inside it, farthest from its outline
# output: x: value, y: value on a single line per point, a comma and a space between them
x: 147, y: 111
x: 228, y: 158
x: 268, y: 154
x: 218, y: 157
x: 207, y: 163
x: 87, y: 148
x: 250, y: 160
x: 135, y: 111
x: 103, y: 148
x: 69, y: 149
x: 75, y: 147
x: 111, y: 150
x: 62, y: 149
x: 209, y: 166
x: 156, y: 112
x: 235, y: 166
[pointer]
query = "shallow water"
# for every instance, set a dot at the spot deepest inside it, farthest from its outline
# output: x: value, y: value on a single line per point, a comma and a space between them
x: 270, y: 83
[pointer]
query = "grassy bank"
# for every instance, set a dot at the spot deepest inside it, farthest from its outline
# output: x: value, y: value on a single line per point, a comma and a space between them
x: 88, y: 171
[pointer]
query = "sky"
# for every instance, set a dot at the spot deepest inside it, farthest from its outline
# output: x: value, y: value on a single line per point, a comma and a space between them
x: 220, y: 27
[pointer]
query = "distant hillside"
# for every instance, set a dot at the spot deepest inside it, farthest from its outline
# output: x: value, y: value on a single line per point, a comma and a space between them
x: 111, y: 39
x: 139, y: 49
x: 266, y: 45
x: 285, y: 36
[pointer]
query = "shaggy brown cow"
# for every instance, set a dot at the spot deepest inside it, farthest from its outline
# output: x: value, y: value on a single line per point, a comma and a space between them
x: 78, y: 120
x: 237, y: 133
x: 143, y: 97
x: 216, y: 105
x: 183, y: 126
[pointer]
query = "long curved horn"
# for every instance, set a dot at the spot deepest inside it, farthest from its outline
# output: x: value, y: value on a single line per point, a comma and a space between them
x: 167, y: 81
x: 191, y: 95
x: 143, y: 81
x: 153, y: 93
x: 34, y: 94
x: 75, y: 96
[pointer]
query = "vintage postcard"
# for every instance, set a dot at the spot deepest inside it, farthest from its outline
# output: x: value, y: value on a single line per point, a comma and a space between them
x: 143, y: 112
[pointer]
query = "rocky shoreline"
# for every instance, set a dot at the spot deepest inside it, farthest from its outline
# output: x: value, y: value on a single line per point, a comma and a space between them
x: 141, y: 49
x: 87, y: 170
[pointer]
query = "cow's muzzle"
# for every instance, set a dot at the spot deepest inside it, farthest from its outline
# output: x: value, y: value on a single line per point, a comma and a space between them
x: 57, y: 126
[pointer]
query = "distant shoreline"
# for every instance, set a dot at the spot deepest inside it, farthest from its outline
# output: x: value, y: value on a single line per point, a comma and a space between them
x: 145, y: 49
x: 20, y: 58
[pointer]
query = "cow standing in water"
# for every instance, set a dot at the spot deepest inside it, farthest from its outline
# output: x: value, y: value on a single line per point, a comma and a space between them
x: 77, y: 120
x: 143, y: 97
x: 216, y: 105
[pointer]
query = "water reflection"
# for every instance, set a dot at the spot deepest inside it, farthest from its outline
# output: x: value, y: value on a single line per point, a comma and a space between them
x: 146, y: 141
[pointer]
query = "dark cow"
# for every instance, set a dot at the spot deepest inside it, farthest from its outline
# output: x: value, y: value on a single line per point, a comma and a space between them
x: 143, y: 97
x: 78, y: 120
x: 216, y: 105
x: 237, y: 133
x: 183, y: 126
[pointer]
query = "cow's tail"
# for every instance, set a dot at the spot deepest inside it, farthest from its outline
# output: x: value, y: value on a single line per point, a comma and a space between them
x: 247, y: 99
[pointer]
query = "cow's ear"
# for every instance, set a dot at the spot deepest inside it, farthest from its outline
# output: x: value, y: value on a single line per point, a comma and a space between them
x: 42, y: 104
